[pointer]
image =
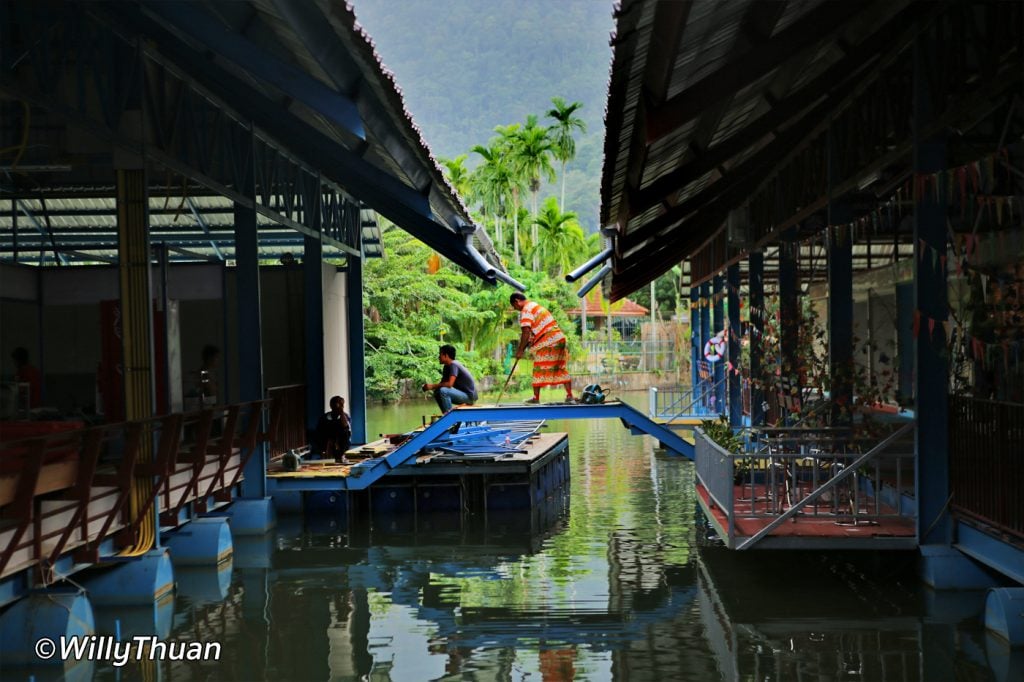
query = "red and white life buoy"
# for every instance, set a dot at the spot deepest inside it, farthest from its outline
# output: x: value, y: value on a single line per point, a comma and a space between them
x: 714, y: 349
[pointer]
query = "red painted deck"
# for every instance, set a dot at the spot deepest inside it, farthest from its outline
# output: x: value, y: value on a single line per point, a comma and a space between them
x: 807, y: 530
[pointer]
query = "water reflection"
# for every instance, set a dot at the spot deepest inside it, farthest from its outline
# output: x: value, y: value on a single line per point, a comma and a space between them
x: 611, y: 582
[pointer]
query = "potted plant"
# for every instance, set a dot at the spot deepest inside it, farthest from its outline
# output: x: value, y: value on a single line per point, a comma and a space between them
x: 719, y: 431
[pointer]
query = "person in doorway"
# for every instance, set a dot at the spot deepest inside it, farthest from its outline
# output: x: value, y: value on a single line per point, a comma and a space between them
x: 207, y: 387
x: 540, y: 332
x: 26, y: 373
x: 457, y: 386
x: 334, y: 431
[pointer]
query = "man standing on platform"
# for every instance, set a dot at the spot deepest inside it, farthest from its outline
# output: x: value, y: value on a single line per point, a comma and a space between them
x: 457, y: 385
x: 550, y: 354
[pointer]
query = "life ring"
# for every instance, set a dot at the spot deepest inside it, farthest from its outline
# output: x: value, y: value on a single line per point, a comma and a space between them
x: 714, y: 349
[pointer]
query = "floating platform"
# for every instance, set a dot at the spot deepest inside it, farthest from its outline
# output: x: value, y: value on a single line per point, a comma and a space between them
x: 431, y: 481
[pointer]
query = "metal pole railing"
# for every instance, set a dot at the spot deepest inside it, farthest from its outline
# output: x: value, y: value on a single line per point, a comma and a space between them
x: 835, y: 480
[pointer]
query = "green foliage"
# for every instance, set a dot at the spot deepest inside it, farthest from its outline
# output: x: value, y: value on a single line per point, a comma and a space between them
x: 409, y: 313
x: 721, y: 433
x: 666, y: 291
x: 464, y: 66
x: 560, y: 239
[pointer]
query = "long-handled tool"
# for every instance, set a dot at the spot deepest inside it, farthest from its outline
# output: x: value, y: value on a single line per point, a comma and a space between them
x: 510, y: 373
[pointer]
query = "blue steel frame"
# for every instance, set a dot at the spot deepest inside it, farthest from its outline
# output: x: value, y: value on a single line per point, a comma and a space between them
x: 840, y: 292
x: 755, y: 309
x: 705, y: 328
x: 719, y: 324
x: 932, y: 407
x: 366, y: 473
x: 356, y: 342
x: 250, y: 337
x: 735, y: 389
x: 696, y: 344
x: 189, y: 131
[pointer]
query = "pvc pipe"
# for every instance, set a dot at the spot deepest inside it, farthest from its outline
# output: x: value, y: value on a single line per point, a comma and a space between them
x: 589, y: 265
x: 490, y: 271
x: 597, y: 278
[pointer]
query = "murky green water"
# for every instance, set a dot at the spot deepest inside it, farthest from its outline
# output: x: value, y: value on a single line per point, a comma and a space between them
x: 621, y: 585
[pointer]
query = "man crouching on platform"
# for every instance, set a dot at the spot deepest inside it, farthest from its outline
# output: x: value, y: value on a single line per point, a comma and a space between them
x: 457, y: 385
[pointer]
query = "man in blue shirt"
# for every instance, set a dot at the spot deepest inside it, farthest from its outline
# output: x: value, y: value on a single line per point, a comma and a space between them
x: 457, y: 385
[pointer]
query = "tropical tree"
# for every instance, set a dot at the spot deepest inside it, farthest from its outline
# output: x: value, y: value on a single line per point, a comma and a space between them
x: 533, y: 153
x: 560, y: 238
x: 509, y: 142
x: 564, y: 144
x: 492, y: 183
x: 458, y: 175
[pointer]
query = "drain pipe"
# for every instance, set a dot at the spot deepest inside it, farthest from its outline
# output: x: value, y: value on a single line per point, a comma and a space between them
x: 490, y: 271
x: 593, y: 282
x: 589, y: 265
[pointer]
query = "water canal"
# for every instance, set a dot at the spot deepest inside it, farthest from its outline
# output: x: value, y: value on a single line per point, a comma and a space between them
x: 619, y: 583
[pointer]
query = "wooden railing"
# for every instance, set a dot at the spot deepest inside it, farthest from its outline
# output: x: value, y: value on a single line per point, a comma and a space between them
x: 68, y: 491
x: 290, y: 431
x: 986, y: 462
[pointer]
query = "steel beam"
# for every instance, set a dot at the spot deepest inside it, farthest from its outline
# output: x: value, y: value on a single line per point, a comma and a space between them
x: 197, y: 24
x: 840, y: 294
x: 313, y: 297
x: 356, y: 346
x: 735, y: 393
x: 249, y: 334
x: 755, y: 309
x: 718, y: 324
x: 695, y: 336
x: 931, y: 371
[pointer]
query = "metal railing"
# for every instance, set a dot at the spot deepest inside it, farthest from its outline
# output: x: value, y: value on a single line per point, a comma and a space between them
x: 625, y: 356
x: 808, y: 471
x: 716, y: 471
x: 986, y: 467
x: 70, y: 490
x: 675, y: 403
x: 290, y: 431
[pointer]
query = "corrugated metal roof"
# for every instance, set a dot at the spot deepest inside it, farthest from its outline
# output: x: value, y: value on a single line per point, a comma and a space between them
x: 340, y: 56
x: 691, y: 82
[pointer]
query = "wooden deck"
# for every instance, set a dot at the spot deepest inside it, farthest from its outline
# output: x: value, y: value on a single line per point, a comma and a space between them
x: 429, y: 462
x: 808, y: 530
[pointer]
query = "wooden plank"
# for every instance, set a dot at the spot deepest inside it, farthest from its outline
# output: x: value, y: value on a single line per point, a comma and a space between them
x: 52, y: 477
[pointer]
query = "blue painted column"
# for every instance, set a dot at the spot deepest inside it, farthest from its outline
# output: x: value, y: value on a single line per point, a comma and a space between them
x: 705, y: 329
x: 695, y: 333
x: 840, y: 294
x: 356, y: 359
x: 718, y: 325
x: 789, y: 310
x: 932, y: 454
x: 313, y: 279
x: 250, y: 335
x: 905, y: 340
x: 735, y: 397
x: 755, y: 307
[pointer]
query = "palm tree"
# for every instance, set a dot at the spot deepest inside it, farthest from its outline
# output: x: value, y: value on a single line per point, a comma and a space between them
x: 509, y: 142
x: 533, y: 153
x: 564, y: 144
x: 492, y: 183
x: 458, y: 175
x: 561, y: 239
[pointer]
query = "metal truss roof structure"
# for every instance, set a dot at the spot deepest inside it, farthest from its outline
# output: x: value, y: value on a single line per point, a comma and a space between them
x: 722, y: 111
x: 286, y: 100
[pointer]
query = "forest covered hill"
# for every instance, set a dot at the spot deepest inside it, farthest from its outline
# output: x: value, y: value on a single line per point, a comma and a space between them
x: 466, y: 66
